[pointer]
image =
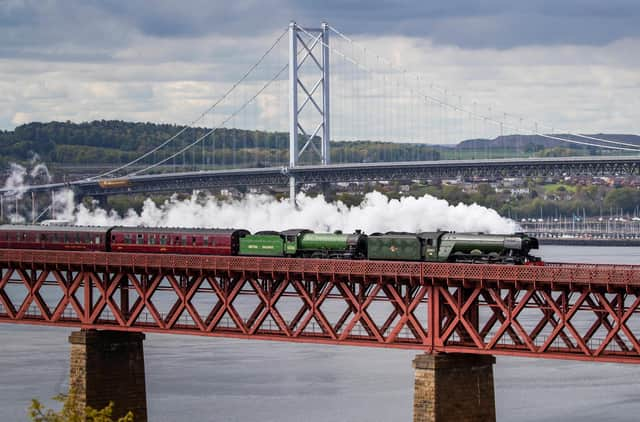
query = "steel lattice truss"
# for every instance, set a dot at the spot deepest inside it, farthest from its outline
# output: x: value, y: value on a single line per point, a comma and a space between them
x: 582, y: 312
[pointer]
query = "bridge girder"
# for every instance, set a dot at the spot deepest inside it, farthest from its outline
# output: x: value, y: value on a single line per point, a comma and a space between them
x: 562, y: 311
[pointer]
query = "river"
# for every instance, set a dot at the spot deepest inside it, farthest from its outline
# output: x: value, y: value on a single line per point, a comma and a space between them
x: 207, y: 379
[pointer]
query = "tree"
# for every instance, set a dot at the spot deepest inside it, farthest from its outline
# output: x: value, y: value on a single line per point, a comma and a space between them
x: 72, y: 411
x: 622, y: 198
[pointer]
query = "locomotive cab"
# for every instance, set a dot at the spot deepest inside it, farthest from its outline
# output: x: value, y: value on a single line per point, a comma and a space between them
x: 430, y: 244
x: 291, y: 239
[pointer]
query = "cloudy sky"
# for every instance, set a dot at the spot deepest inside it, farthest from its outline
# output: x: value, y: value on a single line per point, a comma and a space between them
x: 572, y: 64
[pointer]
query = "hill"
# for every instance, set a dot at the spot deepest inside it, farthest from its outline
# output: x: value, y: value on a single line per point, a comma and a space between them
x: 113, y: 142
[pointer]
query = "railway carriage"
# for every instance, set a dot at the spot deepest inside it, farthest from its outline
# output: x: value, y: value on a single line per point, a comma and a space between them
x: 22, y: 236
x: 176, y: 240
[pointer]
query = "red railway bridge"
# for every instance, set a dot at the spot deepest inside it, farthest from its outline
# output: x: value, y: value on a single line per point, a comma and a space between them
x: 565, y: 311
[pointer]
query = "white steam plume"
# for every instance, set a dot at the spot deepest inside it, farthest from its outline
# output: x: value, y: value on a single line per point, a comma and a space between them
x: 19, y: 179
x: 15, y: 182
x: 377, y: 213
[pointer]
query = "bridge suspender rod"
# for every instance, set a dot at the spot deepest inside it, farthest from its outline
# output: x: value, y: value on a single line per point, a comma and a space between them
x: 33, y: 207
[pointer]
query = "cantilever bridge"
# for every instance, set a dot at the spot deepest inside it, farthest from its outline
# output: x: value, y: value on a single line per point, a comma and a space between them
x: 566, y: 311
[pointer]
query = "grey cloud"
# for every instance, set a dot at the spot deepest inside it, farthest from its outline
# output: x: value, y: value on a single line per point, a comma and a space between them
x: 95, y: 30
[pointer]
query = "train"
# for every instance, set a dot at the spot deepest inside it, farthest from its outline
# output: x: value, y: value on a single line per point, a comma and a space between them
x: 436, y: 246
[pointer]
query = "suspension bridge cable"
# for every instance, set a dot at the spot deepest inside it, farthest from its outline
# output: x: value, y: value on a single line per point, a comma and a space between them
x: 633, y: 147
x: 201, y: 116
x: 234, y: 114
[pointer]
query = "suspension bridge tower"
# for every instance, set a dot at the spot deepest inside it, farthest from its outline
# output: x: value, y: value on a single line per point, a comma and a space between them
x: 309, y: 95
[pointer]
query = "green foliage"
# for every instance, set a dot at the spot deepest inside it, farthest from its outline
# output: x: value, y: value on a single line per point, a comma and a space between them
x: 556, y: 152
x: 117, y: 142
x: 625, y: 199
x: 72, y: 411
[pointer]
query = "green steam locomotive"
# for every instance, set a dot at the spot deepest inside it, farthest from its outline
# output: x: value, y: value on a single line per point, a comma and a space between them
x: 438, y: 246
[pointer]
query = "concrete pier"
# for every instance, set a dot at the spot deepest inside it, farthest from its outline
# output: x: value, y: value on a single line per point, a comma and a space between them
x: 454, y: 388
x: 109, y: 366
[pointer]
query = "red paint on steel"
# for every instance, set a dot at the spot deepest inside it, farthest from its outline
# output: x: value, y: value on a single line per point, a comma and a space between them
x: 565, y: 311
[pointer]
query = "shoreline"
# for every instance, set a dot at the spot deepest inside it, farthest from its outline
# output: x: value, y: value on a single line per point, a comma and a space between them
x: 588, y: 242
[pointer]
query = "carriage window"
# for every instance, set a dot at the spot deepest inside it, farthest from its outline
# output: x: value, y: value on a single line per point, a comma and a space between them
x: 98, y: 239
x: 140, y: 239
x: 64, y: 237
x: 163, y: 240
x: 24, y: 236
x: 205, y: 240
x: 429, y: 242
x: 151, y: 240
x: 127, y: 238
x: 193, y: 241
x: 184, y: 240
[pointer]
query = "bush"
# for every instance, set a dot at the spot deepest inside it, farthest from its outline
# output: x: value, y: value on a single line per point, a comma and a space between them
x: 72, y: 411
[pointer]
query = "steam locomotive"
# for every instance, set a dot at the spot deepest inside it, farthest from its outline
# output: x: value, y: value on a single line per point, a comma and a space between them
x: 438, y: 246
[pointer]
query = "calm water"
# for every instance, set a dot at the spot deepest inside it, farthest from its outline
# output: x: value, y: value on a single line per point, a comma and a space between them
x: 192, y: 378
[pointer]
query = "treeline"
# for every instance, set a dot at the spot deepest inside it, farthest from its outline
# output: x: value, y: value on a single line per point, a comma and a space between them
x: 116, y: 142
x: 113, y: 142
x: 588, y: 200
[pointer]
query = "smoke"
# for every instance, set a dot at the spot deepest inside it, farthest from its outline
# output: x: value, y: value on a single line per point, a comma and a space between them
x: 15, y: 182
x: 19, y: 179
x: 377, y: 213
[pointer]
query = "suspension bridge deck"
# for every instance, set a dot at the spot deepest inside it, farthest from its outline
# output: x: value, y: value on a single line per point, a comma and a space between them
x: 358, y: 172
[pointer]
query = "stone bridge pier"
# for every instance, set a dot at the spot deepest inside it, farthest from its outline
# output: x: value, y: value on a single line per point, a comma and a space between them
x: 454, y: 387
x: 109, y: 366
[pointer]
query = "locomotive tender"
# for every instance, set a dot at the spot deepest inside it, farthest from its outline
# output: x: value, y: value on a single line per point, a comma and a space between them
x: 438, y: 246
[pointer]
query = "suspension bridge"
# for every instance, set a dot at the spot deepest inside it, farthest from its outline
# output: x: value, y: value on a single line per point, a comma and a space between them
x: 325, y: 93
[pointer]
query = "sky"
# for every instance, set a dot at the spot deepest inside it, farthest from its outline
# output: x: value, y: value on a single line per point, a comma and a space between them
x: 568, y: 64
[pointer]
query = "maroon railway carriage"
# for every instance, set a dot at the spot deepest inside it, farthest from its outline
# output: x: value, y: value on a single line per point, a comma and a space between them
x: 176, y: 240
x: 18, y: 236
